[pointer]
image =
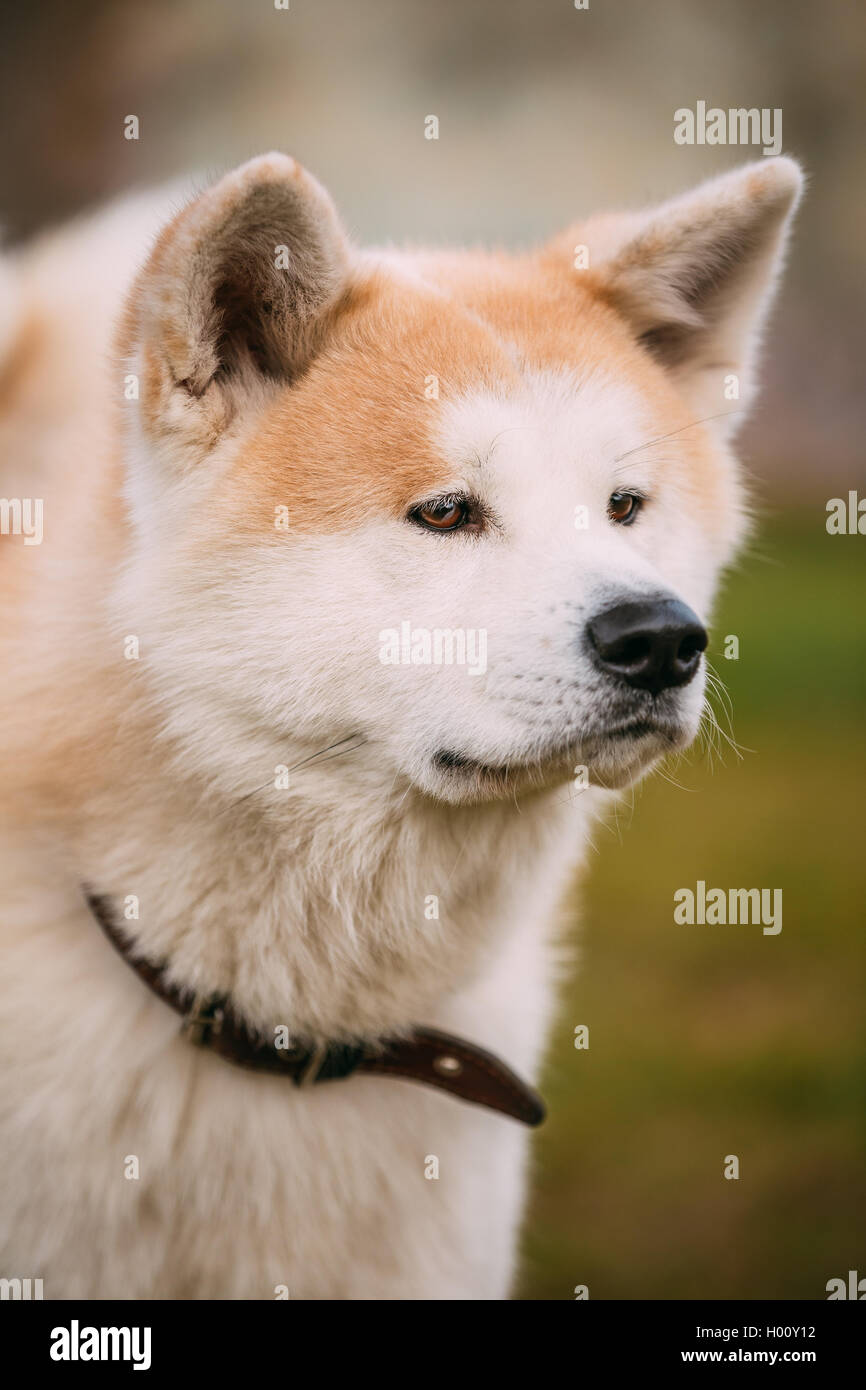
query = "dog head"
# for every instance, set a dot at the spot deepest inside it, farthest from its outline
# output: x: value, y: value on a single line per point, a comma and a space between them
x: 463, y: 511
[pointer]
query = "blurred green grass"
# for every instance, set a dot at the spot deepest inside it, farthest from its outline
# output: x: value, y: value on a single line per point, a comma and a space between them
x: 715, y: 1040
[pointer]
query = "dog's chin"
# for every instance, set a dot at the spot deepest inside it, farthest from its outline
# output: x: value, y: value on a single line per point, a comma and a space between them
x: 611, y: 760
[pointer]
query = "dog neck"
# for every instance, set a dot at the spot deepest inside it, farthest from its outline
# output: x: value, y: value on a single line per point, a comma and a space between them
x: 427, y: 1055
x: 342, y: 916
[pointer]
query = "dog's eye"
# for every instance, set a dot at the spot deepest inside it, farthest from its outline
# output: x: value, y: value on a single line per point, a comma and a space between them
x: 446, y: 515
x: 623, y: 507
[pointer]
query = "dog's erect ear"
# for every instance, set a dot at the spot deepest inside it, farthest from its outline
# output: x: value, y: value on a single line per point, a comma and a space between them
x: 234, y: 297
x: 694, y: 277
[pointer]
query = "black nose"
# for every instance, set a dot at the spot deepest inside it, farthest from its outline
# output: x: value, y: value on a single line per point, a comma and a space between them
x: 653, y: 643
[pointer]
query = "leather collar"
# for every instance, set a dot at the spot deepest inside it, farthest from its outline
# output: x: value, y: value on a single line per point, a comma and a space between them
x: 427, y: 1055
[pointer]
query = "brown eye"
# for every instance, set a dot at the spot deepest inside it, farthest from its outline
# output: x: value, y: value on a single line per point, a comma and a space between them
x: 447, y: 515
x: 623, y: 507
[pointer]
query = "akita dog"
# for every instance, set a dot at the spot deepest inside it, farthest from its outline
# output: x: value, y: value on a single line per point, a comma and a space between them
x: 362, y: 581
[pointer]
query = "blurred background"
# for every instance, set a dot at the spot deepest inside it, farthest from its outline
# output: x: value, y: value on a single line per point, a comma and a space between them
x: 704, y: 1041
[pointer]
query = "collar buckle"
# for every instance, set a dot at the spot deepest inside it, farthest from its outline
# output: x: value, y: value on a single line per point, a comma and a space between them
x: 309, y: 1074
x: 324, y: 1061
x: 203, y: 1020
